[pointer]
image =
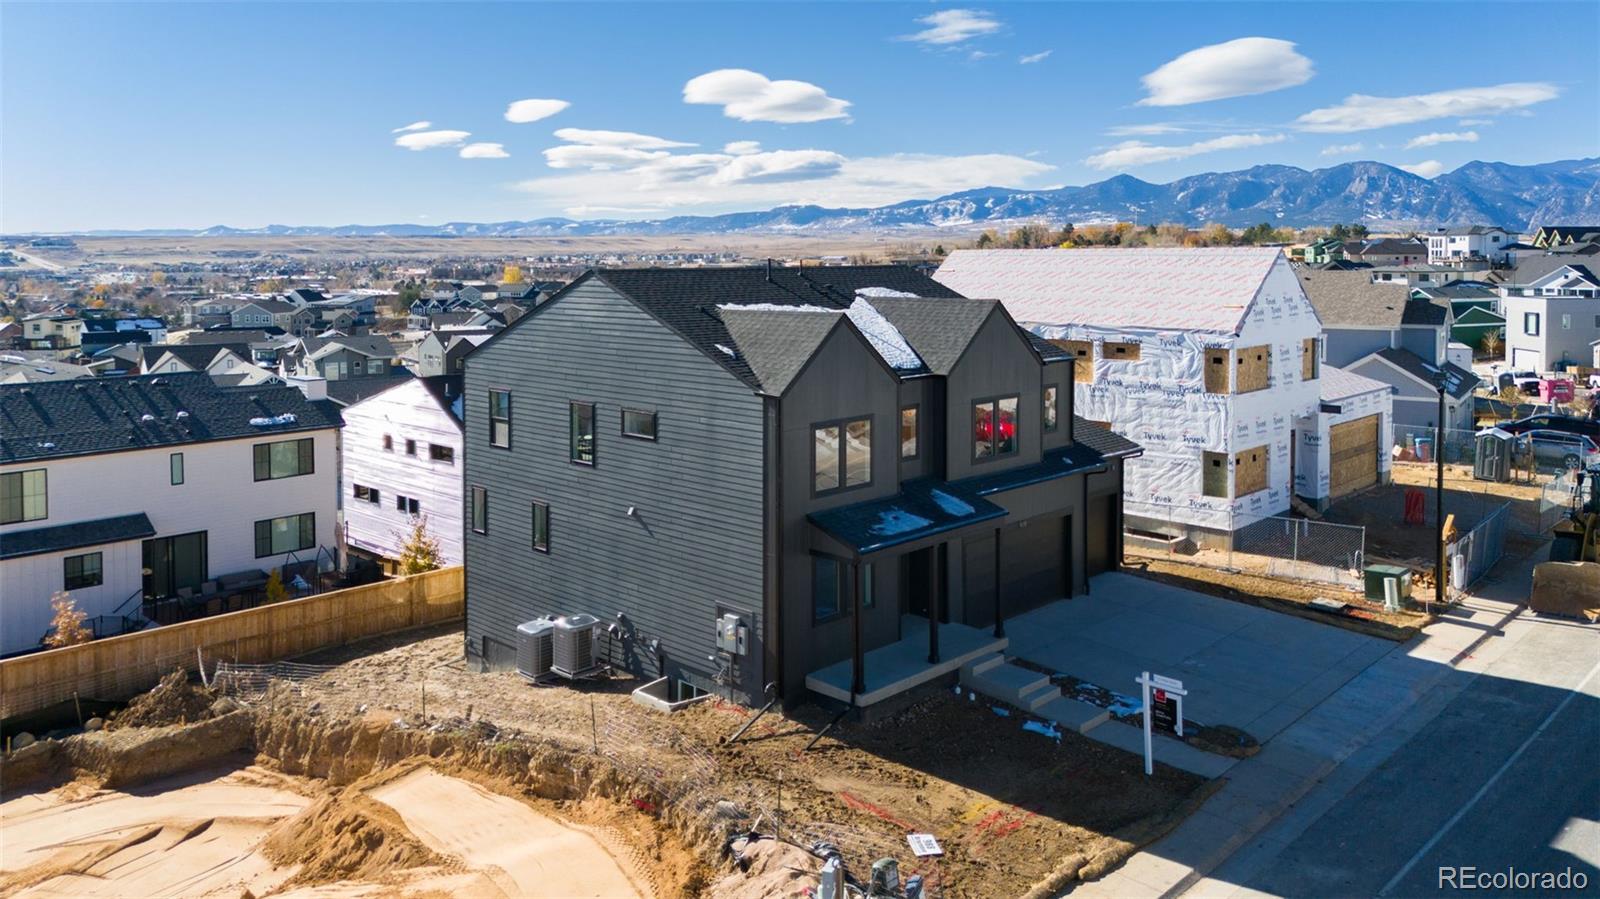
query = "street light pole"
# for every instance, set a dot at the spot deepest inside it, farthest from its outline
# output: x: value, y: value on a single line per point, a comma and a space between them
x: 1438, y: 504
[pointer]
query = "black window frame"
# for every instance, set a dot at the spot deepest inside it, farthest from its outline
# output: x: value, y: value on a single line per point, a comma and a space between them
x: 305, y: 458
x: 433, y: 453
x: 572, y: 433
x: 1050, y: 409
x: 634, y: 435
x: 407, y: 504
x: 175, y: 469
x: 536, y: 524
x: 993, y: 402
x: 411, y: 446
x: 496, y: 419
x: 916, y: 432
x: 1533, y: 319
x: 841, y: 585
x: 478, y: 509
x: 843, y: 426
x: 22, y: 513
x: 81, y: 580
x: 305, y: 525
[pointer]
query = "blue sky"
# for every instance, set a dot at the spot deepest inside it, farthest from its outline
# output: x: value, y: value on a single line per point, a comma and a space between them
x: 190, y: 115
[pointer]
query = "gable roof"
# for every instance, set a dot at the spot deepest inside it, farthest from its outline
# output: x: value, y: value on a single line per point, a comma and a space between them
x: 1336, y: 383
x: 1531, y: 268
x: 1388, y: 246
x: 101, y: 415
x: 1207, y: 289
x: 686, y: 300
x: 777, y: 343
x: 1462, y: 382
x: 1473, y: 315
x: 374, y: 345
x: 275, y: 307
x: 307, y: 295
x: 196, y: 356
x: 346, y: 391
x: 938, y: 329
x: 1352, y: 299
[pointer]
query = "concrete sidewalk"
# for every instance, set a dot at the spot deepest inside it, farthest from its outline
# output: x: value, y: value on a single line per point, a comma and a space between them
x: 1361, y: 723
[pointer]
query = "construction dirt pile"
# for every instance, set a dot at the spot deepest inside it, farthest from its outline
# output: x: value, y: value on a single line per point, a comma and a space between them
x: 173, y: 701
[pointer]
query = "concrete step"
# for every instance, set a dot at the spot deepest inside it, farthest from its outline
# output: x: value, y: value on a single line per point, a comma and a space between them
x: 1167, y: 750
x: 1072, y: 714
x: 980, y: 665
x: 1043, y: 694
x: 1009, y: 683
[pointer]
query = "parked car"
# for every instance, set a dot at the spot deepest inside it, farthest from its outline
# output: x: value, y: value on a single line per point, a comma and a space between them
x: 1569, y: 424
x: 1562, y: 450
x: 1525, y: 381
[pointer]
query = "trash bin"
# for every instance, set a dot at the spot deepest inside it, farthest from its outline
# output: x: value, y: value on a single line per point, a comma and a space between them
x: 1375, y: 575
x: 1424, y: 447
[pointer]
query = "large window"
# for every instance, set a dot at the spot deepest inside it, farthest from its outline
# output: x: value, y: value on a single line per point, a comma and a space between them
x: 1530, y: 324
x: 581, y: 434
x: 639, y: 424
x: 175, y: 563
x: 22, y: 496
x: 175, y: 468
x: 908, y: 432
x: 827, y: 588
x: 1052, y: 407
x: 500, y: 418
x: 291, y: 533
x: 407, y: 504
x: 367, y: 494
x: 541, y: 527
x: 284, y: 459
x: 478, y: 510
x: 79, y: 572
x: 841, y: 455
x: 994, y: 428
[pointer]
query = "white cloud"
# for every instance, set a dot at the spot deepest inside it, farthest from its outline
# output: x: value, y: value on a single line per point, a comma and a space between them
x: 628, y: 139
x: 953, y: 26
x: 976, y: 55
x: 414, y: 126
x: 484, y: 151
x: 431, y: 140
x: 1136, y: 152
x: 593, y: 156
x: 524, y: 111
x: 1442, y: 137
x: 1236, y: 68
x: 1425, y: 169
x: 1032, y: 58
x: 1467, y: 123
x: 753, y: 97
x: 1342, y: 149
x: 711, y: 182
x: 1146, y: 130
x: 1360, y: 112
x: 742, y: 147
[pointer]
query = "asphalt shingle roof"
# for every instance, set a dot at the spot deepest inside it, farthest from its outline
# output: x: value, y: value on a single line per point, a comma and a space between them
x: 777, y: 345
x: 1104, y: 441
x: 196, y: 356
x: 1463, y: 381
x: 59, y: 537
x: 1351, y: 299
x: 353, y: 390
x: 938, y: 329
x: 104, y: 415
x: 376, y: 346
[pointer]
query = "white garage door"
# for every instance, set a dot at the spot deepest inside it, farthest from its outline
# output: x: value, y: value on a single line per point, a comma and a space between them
x: 1528, y: 359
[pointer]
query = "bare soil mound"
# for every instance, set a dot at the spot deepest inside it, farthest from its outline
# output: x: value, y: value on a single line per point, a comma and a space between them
x: 173, y: 701
x: 346, y: 836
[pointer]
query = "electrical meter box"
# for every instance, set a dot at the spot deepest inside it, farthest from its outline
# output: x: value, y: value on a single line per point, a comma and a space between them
x: 732, y: 634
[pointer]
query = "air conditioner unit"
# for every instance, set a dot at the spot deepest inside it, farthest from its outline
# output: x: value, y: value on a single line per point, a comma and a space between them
x: 535, y: 647
x: 574, y: 645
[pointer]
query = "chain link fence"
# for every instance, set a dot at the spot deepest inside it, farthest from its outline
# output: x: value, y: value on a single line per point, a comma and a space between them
x: 1277, y: 546
x: 1419, y: 445
x: 1475, y: 552
x: 1556, y: 499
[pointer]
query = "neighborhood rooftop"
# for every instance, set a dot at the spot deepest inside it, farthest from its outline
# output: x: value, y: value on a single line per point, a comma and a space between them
x: 1354, y: 299
x: 101, y: 415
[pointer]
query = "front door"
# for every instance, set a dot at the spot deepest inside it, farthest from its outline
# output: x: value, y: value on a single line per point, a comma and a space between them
x: 171, y: 563
x: 917, y: 584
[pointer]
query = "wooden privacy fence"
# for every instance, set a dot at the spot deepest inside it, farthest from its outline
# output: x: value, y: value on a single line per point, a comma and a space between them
x: 118, y: 667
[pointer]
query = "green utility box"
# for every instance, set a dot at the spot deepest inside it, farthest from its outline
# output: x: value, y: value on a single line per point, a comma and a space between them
x: 1377, y: 574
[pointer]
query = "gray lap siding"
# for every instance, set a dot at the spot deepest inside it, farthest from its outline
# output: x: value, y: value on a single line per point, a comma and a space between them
x: 694, y: 547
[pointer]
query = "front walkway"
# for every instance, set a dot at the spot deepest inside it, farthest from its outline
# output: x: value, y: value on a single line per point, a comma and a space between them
x: 1243, y: 666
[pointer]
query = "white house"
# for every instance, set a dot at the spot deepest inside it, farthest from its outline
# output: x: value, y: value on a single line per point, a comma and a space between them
x: 1208, y: 358
x: 1553, y: 317
x: 402, y: 459
x: 124, y: 491
x: 1448, y: 245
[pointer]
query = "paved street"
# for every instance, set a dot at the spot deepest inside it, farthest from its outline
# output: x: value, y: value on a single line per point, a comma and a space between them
x: 1503, y: 777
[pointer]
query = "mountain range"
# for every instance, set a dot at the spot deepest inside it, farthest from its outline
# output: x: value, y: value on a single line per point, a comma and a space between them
x: 1372, y: 193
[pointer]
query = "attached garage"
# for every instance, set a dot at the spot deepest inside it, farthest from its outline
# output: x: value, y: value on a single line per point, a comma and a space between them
x: 1037, y: 563
x: 1353, y: 455
x: 1525, y: 359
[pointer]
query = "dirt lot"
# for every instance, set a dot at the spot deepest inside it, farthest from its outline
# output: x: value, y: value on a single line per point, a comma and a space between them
x: 1381, y: 511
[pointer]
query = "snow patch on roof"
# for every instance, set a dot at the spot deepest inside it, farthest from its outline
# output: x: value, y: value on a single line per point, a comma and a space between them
x: 773, y: 307
x: 897, y: 521
x: 883, y: 335
x: 951, y: 505
x: 287, y: 418
x: 881, y: 292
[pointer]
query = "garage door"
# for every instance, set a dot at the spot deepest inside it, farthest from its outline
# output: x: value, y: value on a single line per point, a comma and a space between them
x: 1353, y: 456
x: 1035, y: 558
x: 1532, y: 360
x: 1100, y: 536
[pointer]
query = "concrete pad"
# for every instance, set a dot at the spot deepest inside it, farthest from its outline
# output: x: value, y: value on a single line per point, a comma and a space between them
x: 1167, y: 751
x: 1302, y: 761
x: 1151, y: 634
x: 1072, y: 714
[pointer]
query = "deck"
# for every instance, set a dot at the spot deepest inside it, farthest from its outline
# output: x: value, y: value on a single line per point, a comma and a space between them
x: 902, y: 665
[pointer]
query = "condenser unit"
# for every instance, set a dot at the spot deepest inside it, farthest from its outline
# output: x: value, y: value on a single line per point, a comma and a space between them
x: 574, y: 645
x: 535, y: 648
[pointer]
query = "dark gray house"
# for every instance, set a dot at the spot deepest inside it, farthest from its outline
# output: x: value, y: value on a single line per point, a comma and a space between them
x: 866, y: 470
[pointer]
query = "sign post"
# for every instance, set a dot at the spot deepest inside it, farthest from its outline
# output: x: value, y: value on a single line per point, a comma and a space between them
x: 1165, y: 712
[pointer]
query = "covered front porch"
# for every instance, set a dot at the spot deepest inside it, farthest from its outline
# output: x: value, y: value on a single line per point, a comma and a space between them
x: 904, y: 664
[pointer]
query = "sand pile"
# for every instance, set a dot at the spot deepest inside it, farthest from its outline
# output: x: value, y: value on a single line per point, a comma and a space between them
x: 346, y: 836
x: 173, y: 701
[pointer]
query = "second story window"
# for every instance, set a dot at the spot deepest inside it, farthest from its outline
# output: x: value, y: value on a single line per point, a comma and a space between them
x: 22, y: 496
x: 445, y: 454
x: 175, y: 468
x: 639, y: 424
x: 581, y: 434
x: 500, y: 418
x: 411, y: 447
x: 541, y: 527
x: 1052, y: 406
x: 478, y: 510
x: 284, y: 459
x: 908, y: 432
x: 841, y: 455
x: 994, y: 428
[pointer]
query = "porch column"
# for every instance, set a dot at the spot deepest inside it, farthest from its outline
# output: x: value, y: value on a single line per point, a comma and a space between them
x: 933, y: 605
x: 858, y: 675
x: 999, y: 613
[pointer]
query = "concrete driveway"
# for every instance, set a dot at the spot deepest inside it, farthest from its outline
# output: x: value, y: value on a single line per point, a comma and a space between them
x: 1242, y: 666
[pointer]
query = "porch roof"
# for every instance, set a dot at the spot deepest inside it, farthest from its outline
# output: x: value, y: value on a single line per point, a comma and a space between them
x: 57, y: 538
x: 923, y: 508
